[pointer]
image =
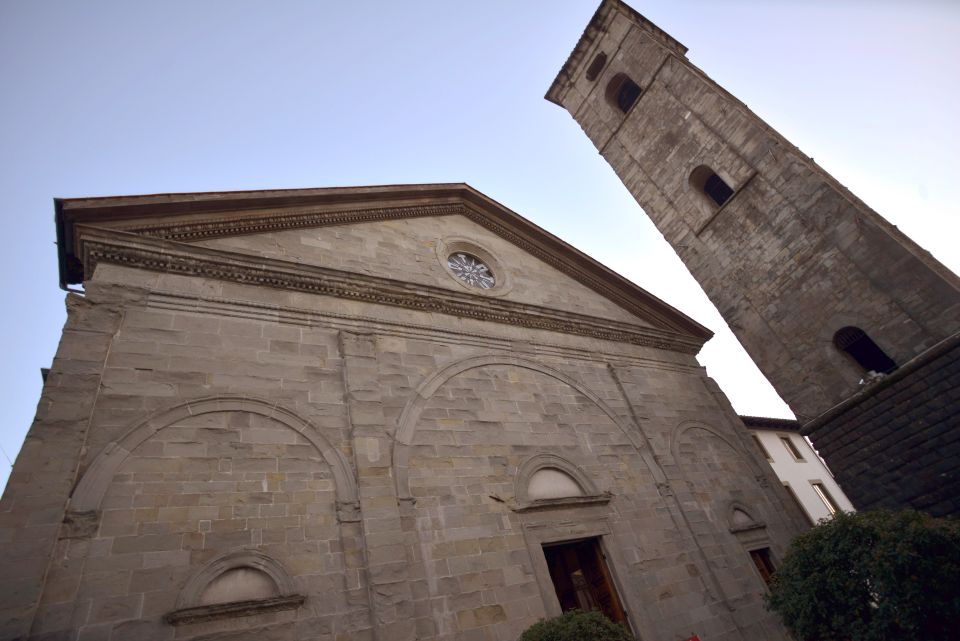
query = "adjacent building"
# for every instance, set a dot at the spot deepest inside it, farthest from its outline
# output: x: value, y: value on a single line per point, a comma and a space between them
x: 807, y: 480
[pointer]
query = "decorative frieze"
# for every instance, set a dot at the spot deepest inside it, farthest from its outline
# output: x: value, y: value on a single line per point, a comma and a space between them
x: 283, y: 219
x: 158, y: 255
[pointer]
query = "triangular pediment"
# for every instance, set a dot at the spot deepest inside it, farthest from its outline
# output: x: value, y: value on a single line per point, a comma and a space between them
x: 381, y: 237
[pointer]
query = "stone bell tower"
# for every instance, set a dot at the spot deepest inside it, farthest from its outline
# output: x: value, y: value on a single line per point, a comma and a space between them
x: 818, y: 288
x: 853, y: 323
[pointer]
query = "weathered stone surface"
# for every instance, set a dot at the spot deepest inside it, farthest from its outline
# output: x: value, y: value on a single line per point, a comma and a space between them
x: 366, y: 455
x: 791, y: 257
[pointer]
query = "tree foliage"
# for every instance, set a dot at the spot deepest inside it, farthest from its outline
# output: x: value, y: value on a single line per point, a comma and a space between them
x: 577, y: 626
x: 872, y: 576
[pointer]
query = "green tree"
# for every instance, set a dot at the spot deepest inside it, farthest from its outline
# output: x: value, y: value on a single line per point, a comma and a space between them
x: 577, y: 626
x: 872, y: 576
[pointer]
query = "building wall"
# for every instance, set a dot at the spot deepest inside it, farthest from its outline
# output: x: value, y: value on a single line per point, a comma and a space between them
x: 897, y: 443
x: 798, y: 476
x: 371, y: 458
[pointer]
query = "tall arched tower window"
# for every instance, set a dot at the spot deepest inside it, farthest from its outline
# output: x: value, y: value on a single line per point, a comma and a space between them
x: 623, y: 92
x: 854, y: 342
x: 706, y: 181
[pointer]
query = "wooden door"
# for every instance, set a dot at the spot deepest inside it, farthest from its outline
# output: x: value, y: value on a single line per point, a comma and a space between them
x: 582, y: 579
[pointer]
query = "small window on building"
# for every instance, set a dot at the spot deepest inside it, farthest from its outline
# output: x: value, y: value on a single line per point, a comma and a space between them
x: 756, y: 439
x: 825, y: 497
x: 796, y: 501
x: 794, y: 451
x: 854, y: 342
x: 623, y: 92
x: 599, y: 62
x: 707, y: 182
x: 763, y: 561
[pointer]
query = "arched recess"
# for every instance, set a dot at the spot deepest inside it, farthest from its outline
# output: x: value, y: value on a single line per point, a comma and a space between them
x: 90, y: 491
x: 587, y: 492
x: 550, y: 461
x: 407, y: 424
x: 193, y: 590
x: 192, y: 608
x: 686, y: 426
x: 739, y: 518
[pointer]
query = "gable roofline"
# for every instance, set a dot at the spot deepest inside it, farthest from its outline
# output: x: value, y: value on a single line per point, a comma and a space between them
x: 185, y: 216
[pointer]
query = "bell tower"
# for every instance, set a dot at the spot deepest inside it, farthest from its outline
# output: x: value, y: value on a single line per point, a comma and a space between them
x: 821, y: 291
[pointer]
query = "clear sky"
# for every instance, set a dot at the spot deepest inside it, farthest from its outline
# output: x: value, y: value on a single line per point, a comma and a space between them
x: 128, y: 97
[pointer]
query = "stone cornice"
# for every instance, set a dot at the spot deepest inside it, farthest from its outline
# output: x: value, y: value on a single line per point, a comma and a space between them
x: 200, y: 216
x: 283, y: 219
x: 132, y: 250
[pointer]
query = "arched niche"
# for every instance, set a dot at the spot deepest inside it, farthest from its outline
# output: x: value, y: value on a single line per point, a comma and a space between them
x: 548, y: 480
x: 242, y: 583
x: 407, y: 424
x: 90, y: 491
x: 740, y: 519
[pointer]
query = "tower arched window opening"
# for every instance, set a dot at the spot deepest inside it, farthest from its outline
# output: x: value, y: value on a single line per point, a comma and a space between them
x: 707, y: 182
x: 623, y: 92
x: 854, y: 342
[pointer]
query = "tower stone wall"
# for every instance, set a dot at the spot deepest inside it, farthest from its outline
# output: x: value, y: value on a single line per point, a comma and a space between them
x: 791, y: 257
x: 826, y: 296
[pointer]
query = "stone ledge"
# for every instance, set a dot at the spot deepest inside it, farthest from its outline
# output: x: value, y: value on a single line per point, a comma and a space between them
x: 218, y: 611
x: 567, y: 501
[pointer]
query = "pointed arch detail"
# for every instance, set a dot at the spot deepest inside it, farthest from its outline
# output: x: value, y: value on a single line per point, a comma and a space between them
x: 96, y: 480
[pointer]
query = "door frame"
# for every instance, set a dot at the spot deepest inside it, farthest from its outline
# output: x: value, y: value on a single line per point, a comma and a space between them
x: 538, y: 534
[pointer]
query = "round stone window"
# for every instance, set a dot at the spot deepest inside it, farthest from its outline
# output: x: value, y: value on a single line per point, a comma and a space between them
x: 471, y: 270
x: 473, y: 266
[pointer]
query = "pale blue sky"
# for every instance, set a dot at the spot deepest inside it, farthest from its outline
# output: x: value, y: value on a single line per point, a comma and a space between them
x: 126, y: 97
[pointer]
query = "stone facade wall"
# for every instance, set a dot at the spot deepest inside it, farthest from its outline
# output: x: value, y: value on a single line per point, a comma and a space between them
x: 897, y: 444
x: 367, y: 457
x: 792, y: 256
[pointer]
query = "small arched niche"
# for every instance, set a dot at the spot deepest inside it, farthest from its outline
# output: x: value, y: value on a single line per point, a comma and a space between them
x: 237, y: 584
x: 547, y: 480
x: 551, y: 483
x: 740, y: 520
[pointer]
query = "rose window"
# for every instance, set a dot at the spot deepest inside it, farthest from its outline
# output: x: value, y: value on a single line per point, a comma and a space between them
x: 471, y: 270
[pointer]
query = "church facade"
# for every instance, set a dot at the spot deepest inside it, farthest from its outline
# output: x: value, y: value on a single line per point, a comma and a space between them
x: 854, y: 324
x: 386, y: 413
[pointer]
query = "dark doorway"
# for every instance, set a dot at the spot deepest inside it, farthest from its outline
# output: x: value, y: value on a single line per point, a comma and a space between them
x: 581, y: 578
x: 761, y: 558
